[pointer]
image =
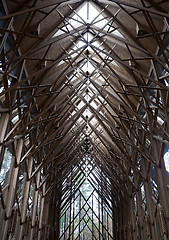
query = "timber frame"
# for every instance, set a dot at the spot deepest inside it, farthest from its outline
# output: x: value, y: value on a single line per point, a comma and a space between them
x: 84, y: 99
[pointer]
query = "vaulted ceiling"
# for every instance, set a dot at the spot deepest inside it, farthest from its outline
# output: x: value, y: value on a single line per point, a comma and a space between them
x: 84, y: 78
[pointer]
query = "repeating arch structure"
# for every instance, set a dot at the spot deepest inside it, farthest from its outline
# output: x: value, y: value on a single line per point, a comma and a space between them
x: 84, y: 119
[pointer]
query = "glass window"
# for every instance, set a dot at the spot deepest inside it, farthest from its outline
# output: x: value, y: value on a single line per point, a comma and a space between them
x: 166, y: 157
x: 5, y: 165
x: 166, y: 161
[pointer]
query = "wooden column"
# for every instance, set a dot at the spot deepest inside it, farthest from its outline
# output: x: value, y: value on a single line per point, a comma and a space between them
x: 133, y: 217
x: 3, y: 126
x: 34, y: 206
x: 41, y: 212
x: 25, y: 194
x: 150, y: 204
x: 12, y: 189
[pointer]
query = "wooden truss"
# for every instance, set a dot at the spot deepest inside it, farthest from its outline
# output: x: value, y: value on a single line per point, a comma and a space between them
x: 84, y: 96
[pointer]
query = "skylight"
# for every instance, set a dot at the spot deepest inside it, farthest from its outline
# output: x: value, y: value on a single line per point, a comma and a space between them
x: 92, y: 52
x: 87, y: 14
x: 88, y: 67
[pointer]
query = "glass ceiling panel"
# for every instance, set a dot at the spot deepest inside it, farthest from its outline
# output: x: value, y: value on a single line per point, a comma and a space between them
x: 88, y: 14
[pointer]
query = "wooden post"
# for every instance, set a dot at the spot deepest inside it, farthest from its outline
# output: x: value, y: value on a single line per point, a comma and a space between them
x: 12, y: 189
x: 40, y: 235
x: 25, y: 194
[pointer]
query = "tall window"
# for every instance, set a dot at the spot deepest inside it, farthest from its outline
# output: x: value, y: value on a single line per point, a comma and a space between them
x: 166, y: 160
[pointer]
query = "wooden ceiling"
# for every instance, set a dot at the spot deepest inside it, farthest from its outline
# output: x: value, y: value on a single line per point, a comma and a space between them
x: 68, y: 77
